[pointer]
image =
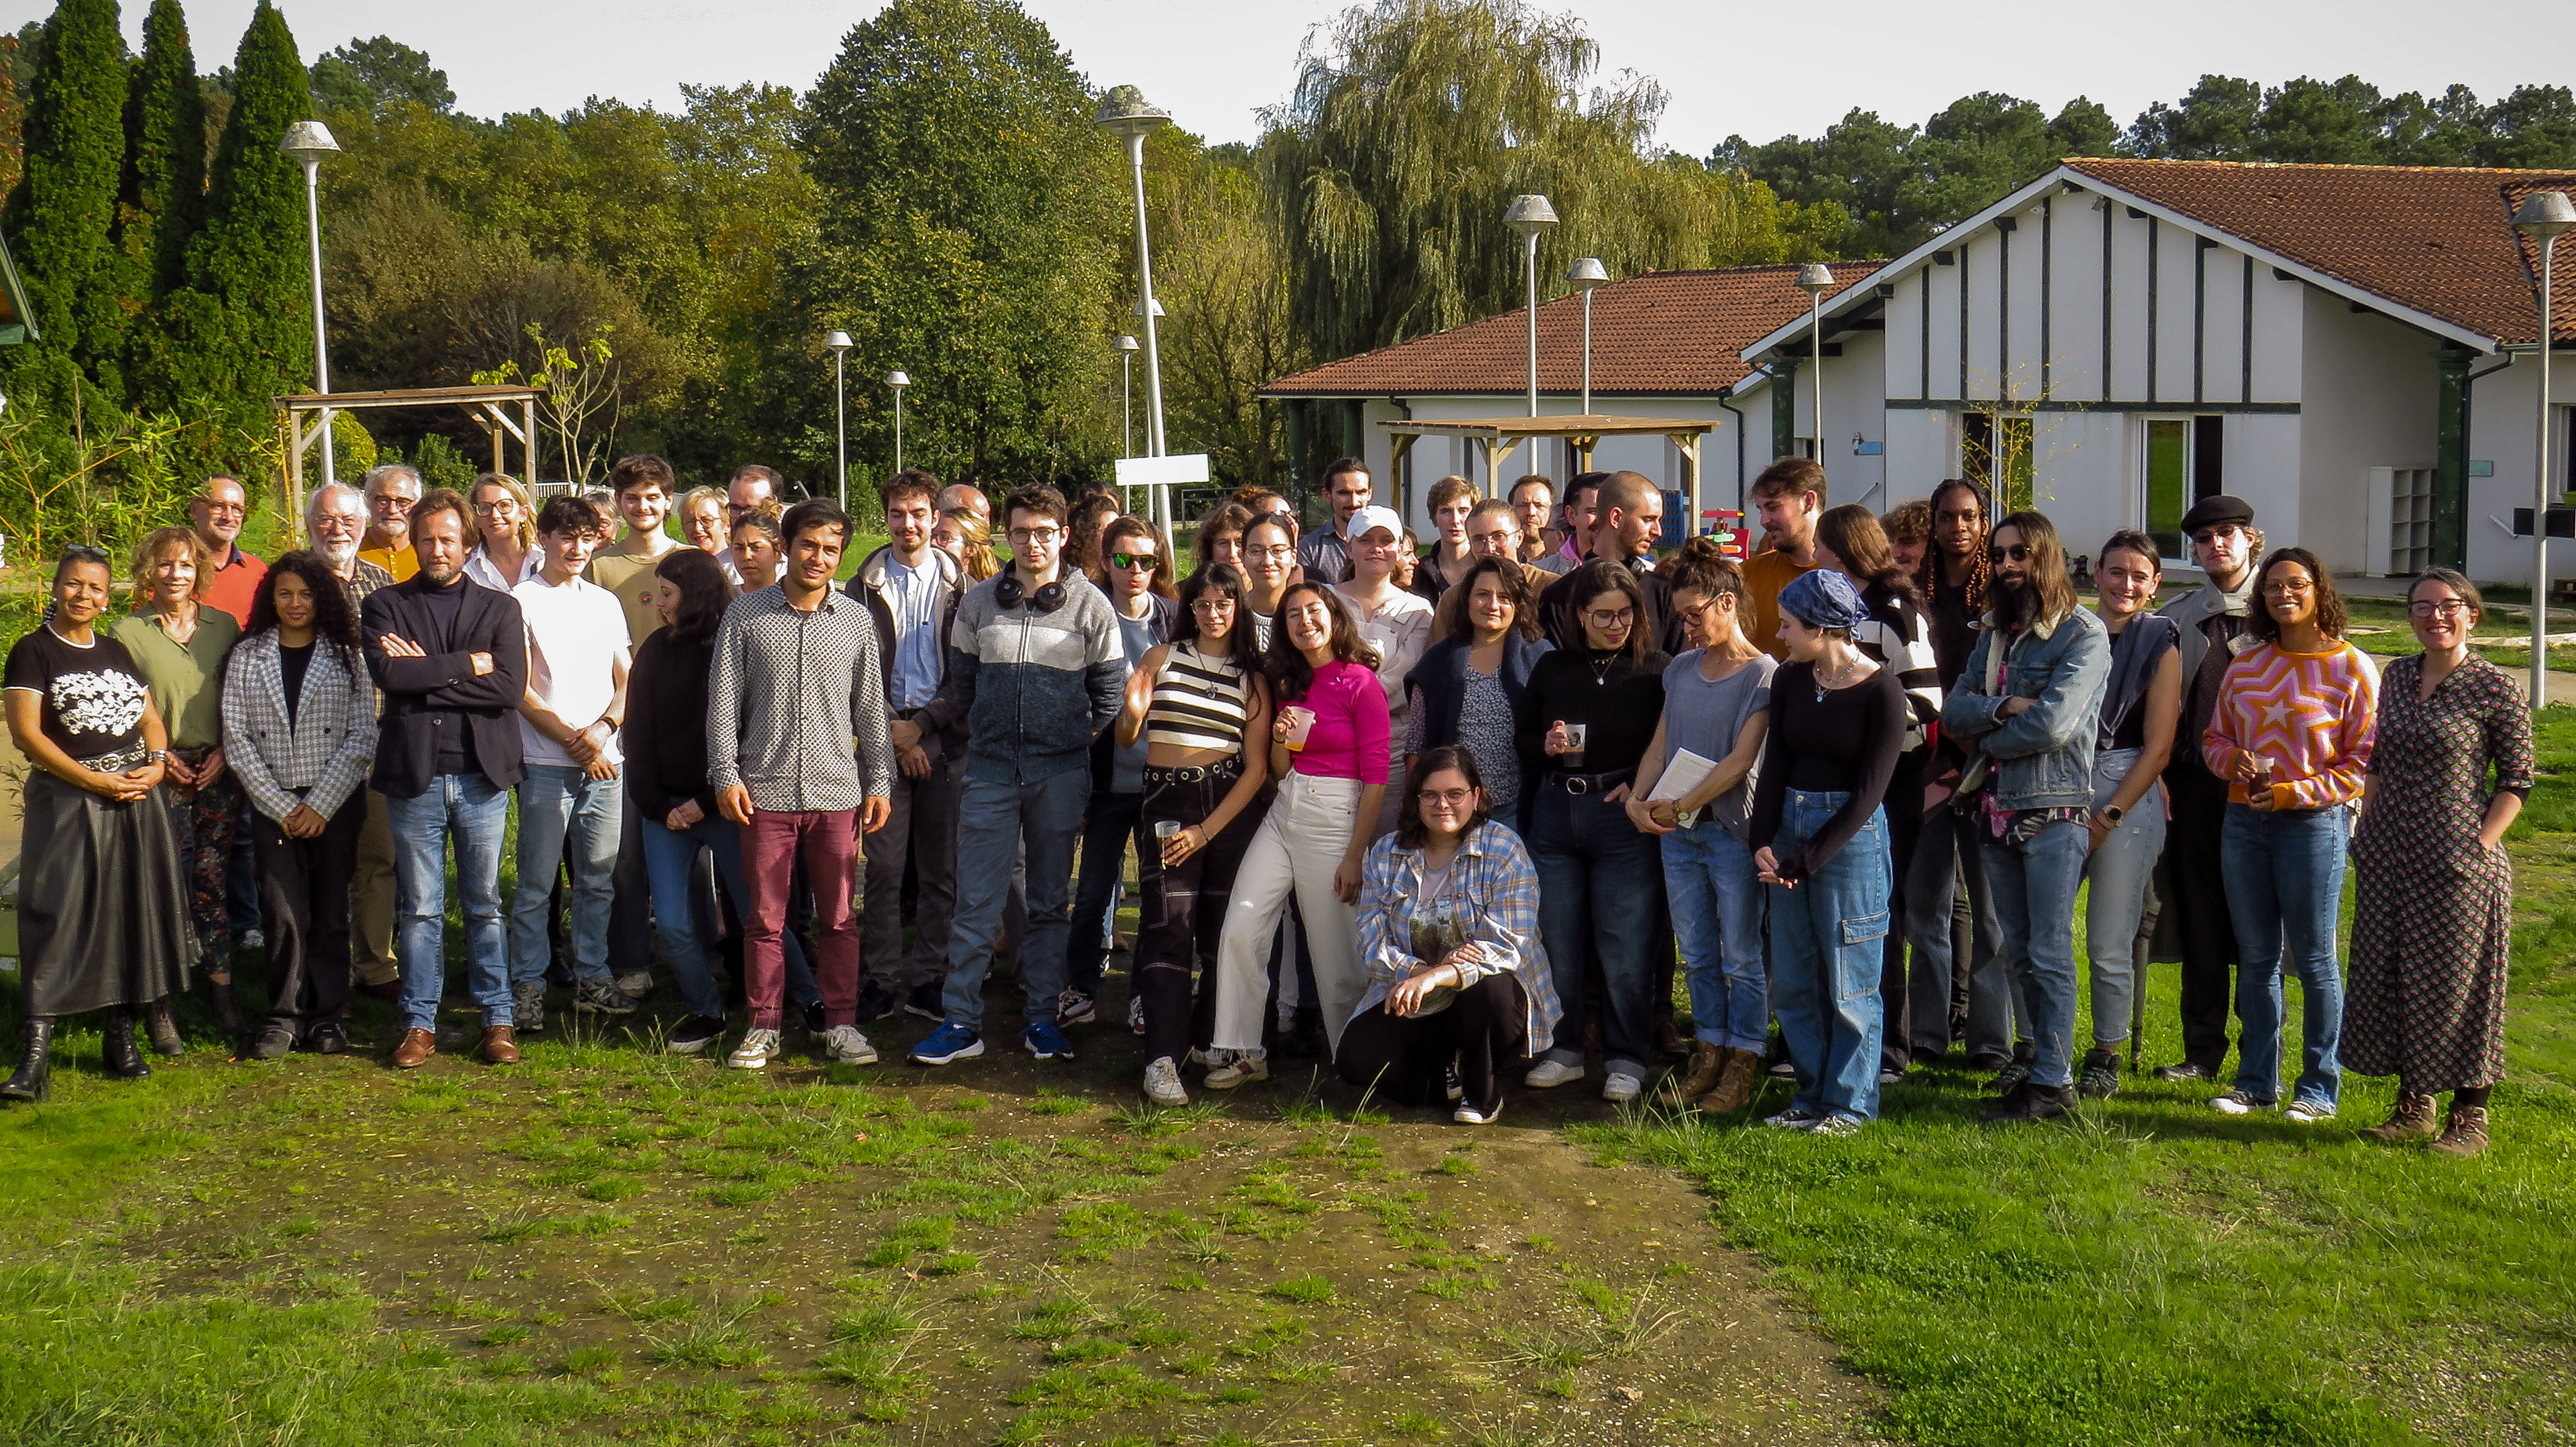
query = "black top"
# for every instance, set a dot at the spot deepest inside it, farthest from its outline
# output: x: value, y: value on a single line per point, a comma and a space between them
x: 1557, y: 606
x: 1846, y: 741
x: 425, y: 697
x: 1618, y: 699
x: 1954, y: 627
x: 291, y: 663
x: 93, y: 697
x: 666, y: 725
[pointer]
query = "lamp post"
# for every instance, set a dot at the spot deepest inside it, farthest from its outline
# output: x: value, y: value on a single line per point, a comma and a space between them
x: 1127, y: 391
x: 1813, y: 278
x: 1532, y: 217
x: 898, y: 381
x: 1123, y: 111
x: 839, y: 342
x: 1588, y: 275
x: 307, y: 143
x: 2543, y: 216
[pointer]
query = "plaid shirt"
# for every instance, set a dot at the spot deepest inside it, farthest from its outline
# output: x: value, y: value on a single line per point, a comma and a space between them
x: 1494, y: 879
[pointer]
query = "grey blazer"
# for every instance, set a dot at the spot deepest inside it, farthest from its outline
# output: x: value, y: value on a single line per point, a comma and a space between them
x: 322, y: 757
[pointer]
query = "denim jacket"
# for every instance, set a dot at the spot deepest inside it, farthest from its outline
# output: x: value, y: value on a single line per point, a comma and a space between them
x: 2042, y: 757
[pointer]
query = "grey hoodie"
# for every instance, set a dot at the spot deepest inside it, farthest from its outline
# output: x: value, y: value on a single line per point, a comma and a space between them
x: 1036, y: 687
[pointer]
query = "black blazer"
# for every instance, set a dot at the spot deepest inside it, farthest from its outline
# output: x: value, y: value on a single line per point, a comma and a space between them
x: 415, y: 689
x: 1557, y: 605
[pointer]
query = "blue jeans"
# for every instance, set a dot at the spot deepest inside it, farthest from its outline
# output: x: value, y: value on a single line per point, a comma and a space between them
x: 1601, y: 886
x: 995, y: 820
x: 1826, y: 958
x: 1717, y: 917
x: 2285, y: 883
x: 563, y: 811
x: 476, y: 814
x: 1107, y: 826
x: 2119, y: 871
x: 2034, y: 884
x: 668, y: 858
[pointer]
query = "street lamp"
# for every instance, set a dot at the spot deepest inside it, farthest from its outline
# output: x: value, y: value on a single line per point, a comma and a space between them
x: 1813, y: 279
x: 307, y: 143
x: 898, y: 381
x: 1123, y: 111
x: 2543, y: 216
x: 1588, y: 275
x: 839, y: 342
x: 1532, y: 217
x: 1127, y: 391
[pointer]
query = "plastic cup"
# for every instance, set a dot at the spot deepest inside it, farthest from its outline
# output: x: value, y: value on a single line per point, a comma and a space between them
x: 1164, y: 829
x: 1575, y: 734
x: 1301, y: 722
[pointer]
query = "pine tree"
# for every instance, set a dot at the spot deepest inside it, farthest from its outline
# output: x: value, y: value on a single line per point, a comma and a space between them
x: 165, y: 169
x: 61, y: 217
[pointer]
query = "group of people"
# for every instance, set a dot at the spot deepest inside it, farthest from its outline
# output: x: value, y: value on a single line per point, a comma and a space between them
x: 1447, y: 817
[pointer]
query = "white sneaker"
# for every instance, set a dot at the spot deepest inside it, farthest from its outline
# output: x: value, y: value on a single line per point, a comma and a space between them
x: 2307, y: 1112
x: 1246, y: 1066
x: 1136, y: 1013
x: 1793, y: 1119
x: 845, y: 1044
x: 2239, y: 1102
x: 754, y: 1051
x: 1073, y: 1007
x: 1833, y: 1125
x: 1621, y: 1087
x: 1467, y: 1114
x: 1549, y: 1074
x: 636, y: 985
x: 1163, y: 1082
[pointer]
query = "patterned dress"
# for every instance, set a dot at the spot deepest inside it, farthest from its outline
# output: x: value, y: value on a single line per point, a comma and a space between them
x: 2432, y: 933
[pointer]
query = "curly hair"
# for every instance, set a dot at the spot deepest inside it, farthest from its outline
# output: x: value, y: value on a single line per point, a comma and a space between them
x: 1981, y: 572
x: 147, y: 556
x: 335, y: 616
x: 2331, y: 619
x: 1286, y: 662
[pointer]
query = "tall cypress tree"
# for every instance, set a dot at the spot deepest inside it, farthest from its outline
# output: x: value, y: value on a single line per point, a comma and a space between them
x: 61, y: 218
x: 165, y: 167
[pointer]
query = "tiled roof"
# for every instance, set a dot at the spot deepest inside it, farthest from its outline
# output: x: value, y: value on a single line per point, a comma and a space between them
x: 2438, y: 240
x: 1662, y: 334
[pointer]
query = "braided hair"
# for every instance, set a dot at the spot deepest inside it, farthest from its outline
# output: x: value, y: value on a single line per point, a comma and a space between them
x: 1981, y: 573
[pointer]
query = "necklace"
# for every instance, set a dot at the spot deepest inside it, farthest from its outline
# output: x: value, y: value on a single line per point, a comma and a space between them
x: 1840, y: 679
x: 1601, y: 669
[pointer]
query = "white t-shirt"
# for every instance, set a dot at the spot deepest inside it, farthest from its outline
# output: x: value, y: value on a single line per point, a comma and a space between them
x: 576, y: 635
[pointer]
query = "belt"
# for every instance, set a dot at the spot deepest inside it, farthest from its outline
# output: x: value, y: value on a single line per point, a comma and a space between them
x: 123, y: 761
x: 1194, y: 773
x: 1591, y: 783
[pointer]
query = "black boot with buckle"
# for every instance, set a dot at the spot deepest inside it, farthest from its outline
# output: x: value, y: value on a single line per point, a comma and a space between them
x: 124, y: 1058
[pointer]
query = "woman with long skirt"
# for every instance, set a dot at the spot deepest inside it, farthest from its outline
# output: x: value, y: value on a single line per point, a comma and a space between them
x: 103, y: 917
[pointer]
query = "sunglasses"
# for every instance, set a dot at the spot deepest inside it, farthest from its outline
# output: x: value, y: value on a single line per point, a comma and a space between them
x: 1146, y: 561
x: 2017, y: 553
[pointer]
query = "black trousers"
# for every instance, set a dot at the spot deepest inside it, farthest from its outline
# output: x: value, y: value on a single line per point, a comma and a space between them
x: 1180, y: 912
x: 1485, y: 1030
x: 304, y: 896
x: 921, y: 828
x: 1904, y: 805
x: 2200, y: 907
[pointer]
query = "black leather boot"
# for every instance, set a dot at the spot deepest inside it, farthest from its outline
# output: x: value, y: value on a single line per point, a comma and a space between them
x: 35, y: 1078
x: 124, y: 1058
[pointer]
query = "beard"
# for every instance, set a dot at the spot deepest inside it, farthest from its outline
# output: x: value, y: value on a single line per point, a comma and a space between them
x: 341, y: 556
x: 2016, y: 600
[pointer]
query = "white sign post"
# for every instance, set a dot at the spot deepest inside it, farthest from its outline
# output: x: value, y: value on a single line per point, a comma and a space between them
x: 1158, y: 475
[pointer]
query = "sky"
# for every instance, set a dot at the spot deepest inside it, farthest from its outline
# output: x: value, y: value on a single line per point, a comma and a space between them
x: 1758, y: 71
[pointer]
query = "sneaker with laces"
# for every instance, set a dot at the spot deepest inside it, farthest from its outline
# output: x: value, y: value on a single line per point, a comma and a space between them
x: 810, y: 1015
x: 2186, y: 1070
x: 1621, y: 1087
x: 754, y: 1051
x: 2308, y: 1112
x: 1450, y: 1088
x: 1549, y: 1074
x: 846, y: 1045
x: 2101, y: 1074
x: 1469, y: 1113
x: 601, y: 997
x: 528, y: 1007
x: 951, y: 1041
x: 1794, y: 1118
x: 1136, y: 1014
x: 1046, y: 1040
x: 636, y: 984
x: 1163, y: 1082
x: 1243, y: 1068
x: 2031, y: 1101
x: 1836, y: 1125
x: 875, y: 1002
x: 695, y: 1034
x: 1076, y: 1008
x: 927, y: 1001
x: 2009, y: 1079
x: 2240, y: 1102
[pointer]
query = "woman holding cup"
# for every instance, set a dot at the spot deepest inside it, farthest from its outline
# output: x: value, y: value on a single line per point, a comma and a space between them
x: 1330, y: 743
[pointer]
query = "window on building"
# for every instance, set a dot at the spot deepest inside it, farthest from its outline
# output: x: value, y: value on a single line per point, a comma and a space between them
x: 2186, y: 461
x: 1995, y: 450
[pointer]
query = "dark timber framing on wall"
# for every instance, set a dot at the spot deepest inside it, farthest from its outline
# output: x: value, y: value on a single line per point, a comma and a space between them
x: 2152, y: 298
x: 2004, y: 228
x: 1923, y: 374
x: 2047, y: 275
x: 2245, y: 348
x: 2199, y: 313
x: 2103, y: 205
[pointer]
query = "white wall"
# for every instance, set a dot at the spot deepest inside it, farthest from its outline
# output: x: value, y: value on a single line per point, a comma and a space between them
x: 1653, y: 455
x: 2503, y: 421
x: 2368, y: 399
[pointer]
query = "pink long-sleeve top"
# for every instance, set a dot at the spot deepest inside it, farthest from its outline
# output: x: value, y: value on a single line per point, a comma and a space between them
x: 2312, y: 714
x: 1351, y: 738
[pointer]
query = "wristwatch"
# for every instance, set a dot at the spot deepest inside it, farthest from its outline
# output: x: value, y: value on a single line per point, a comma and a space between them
x: 154, y: 756
x: 2113, y: 815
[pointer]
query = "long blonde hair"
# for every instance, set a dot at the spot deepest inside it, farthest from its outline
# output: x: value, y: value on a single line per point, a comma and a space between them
x: 525, y: 534
x: 980, y: 562
x: 147, y: 554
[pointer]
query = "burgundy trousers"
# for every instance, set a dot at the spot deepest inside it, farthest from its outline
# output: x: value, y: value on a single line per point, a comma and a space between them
x: 829, y: 845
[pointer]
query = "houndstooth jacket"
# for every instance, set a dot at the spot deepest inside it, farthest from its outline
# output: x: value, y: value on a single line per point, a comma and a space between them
x: 322, y: 757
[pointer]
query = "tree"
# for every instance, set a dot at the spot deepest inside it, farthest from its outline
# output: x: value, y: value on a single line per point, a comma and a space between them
x: 2213, y: 122
x: 2534, y: 127
x: 165, y: 165
x: 61, y: 217
x: 371, y: 75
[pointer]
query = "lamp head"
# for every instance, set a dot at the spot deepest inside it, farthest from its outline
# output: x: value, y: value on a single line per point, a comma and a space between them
x: 2545, y: 214
x: 1530, y: 215
x: 1814, y: 277
x: 1125, y: 344
x: 838, y: 341
x: 1588, y: 273
x: 1123, y: 110
x: 898, y: 380
x: 309, y: 143
x: 1139, y: 307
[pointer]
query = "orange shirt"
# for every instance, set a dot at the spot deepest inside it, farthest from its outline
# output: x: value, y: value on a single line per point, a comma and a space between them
x: 232, y: 585
x: 1765, y: 574
x: 401, y: 562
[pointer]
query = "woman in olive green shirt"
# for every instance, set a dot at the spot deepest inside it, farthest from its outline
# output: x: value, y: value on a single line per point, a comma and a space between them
x: 179, y: 645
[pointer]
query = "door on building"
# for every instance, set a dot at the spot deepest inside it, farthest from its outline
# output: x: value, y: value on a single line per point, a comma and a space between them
x: 1994, y: 451
x: 2186, y: 461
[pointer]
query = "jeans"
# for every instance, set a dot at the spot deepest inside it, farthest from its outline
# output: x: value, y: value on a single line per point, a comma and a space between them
x: 1601, y: 883
x: 1826, y: 957
x: 475, y: 813
x: 1947, y: 864
x: 1300, y: 844
x: 2120, y: 871
x: 1929, y: 978
x: 828, y: 844
x: 565, y: 812
x: 995, y: 821
x: 1107, y: 826
x: 2034, y: 885
x: 669, y: 857
x: 921, y: 827
x: 1717, y: 916
x: 2285, y: 884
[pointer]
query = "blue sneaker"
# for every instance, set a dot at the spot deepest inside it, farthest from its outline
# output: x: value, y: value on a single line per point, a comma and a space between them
x: 1046, y: 1041
x: 951, y: 1041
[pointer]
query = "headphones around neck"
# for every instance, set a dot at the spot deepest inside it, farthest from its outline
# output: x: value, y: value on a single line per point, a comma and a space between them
x: 1010, y: 592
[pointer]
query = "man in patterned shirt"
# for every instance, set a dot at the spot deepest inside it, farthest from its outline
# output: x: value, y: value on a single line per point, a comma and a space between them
x: 335, y: 518
x: 798, y: 755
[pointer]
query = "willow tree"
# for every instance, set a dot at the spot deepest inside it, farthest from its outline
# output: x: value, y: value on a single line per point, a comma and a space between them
x: 1412, y: 126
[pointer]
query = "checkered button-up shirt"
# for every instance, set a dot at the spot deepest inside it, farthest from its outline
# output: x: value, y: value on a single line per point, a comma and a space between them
x: 796, y: 705
x: 1495, y: 888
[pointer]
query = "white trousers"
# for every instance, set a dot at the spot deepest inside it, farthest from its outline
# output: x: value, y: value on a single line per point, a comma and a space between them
x: 1301, y: 842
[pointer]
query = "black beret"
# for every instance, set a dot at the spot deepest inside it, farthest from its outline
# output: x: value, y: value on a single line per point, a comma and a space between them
x: 2217, y: 511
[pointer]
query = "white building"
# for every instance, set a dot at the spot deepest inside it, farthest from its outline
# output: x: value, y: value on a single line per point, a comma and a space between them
x: 2348, y: 348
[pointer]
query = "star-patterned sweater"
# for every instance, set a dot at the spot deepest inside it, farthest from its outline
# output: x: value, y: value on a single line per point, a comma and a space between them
x: 2312, y: 714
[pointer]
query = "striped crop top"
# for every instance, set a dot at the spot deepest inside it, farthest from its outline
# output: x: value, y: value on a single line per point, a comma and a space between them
x: 1198, y: 703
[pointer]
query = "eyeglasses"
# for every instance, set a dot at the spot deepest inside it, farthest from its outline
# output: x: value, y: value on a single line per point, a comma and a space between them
x: 2447, y: 608
x: 398, y: 504
x: 2282, y: 587
x: 1277, y: 552
x: 1040, y: 537
x: 1147, y: 561
x: 226, y: 510
x: 1446, y: 798
x: 1605, y: 618
x: 498, y: 504
x: 1213, y: 605
x: 2017, y: 553
x: 2211, y: 537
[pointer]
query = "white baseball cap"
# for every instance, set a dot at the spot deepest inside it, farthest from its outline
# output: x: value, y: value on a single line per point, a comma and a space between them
x: 1371, y: 517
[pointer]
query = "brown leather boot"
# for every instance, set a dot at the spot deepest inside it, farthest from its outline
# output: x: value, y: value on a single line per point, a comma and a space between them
x: 416, y: 1047
x: 500, y: 1046
x: 1698, y: 1078
x: 1736, y: 1076
x: 163, y: 1031
x: 2413, y: 1117
x: 2466, y: 1135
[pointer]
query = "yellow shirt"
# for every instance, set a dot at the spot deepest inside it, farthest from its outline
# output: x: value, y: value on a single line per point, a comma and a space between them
x: 401, y: 562
x: 630, y: 578
x: 1765, y: 574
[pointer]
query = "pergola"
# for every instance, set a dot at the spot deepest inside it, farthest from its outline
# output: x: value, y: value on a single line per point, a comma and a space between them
x: 1497, y: 438
x: 488, y: 406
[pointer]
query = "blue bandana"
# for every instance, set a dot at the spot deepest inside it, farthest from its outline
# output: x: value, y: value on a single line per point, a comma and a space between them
x: 1824, y: 598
